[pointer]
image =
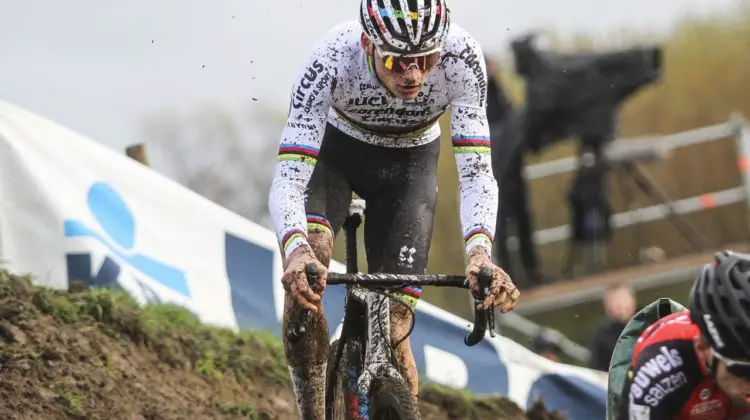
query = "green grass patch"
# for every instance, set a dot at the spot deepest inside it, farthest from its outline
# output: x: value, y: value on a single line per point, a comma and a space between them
x: 246, y: 409
x: 174, y: 333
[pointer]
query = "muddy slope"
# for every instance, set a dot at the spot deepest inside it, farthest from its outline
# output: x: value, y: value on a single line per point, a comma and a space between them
x: 97, y: 355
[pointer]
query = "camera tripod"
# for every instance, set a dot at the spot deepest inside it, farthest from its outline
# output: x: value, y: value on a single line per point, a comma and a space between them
x: 632, y: 177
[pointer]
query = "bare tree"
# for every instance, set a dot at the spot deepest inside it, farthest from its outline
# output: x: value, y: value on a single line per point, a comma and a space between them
x: 212, y: 153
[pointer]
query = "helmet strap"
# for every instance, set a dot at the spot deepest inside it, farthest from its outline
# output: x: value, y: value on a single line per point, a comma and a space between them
x: 713, y: 367
x: 371, y: 66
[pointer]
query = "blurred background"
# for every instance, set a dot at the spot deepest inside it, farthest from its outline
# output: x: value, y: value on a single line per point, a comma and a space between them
x: 205, y: 86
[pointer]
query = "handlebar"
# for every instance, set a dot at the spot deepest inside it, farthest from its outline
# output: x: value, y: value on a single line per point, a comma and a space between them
x: 483, y: 320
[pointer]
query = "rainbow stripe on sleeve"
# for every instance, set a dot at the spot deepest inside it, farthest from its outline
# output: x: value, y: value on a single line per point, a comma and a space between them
x: 473, y: 144
x: 298, y: 153
x: 477, y: 232
x: 289, y: 238
x: 318, y: 223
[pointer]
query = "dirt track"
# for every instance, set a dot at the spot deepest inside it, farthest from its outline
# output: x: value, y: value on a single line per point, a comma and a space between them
x: 98, y: 356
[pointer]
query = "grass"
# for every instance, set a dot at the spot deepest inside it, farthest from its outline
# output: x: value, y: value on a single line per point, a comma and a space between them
x: 178, y: 338
x: 176, y: 335
x: 463, y: 404
x: 75, y: 402
x: 246, y: 409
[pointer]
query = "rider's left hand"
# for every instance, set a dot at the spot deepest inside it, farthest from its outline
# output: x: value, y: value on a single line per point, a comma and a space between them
x: 503, y: 293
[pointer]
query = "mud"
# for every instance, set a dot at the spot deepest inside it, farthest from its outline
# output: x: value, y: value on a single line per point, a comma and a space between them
x: 322, y: 246
x: 96, y: 355
x: 400, y: 322
x: 439, y: 403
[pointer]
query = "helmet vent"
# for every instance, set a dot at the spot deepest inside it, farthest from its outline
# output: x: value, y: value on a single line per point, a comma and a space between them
x: 743, y: 266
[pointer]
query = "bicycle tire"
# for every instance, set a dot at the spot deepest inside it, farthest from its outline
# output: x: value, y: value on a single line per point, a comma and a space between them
x: 335, y: 403
x: 337, y: 408
x: 391, y: 399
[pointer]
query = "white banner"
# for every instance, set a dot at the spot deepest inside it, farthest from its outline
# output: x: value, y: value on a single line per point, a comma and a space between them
x: 72, y: 209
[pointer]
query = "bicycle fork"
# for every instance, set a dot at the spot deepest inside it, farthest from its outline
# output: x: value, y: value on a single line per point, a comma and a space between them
x: 355, y: 398
x: 370, y: 314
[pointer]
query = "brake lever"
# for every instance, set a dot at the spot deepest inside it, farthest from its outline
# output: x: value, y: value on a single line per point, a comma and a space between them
x: 485, y: 280
x: 298, y: 326
x: 491, y: 320
x: 482, y: 319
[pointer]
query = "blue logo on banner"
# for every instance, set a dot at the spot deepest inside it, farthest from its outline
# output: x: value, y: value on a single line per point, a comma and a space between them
x: 118, y: 223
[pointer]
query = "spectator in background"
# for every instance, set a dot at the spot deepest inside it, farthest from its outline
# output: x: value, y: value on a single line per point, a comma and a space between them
x: 544, y: 344
x: 620, y: 306
x: 513, y: 207
x: 498, y: 103
x: 590, y: 212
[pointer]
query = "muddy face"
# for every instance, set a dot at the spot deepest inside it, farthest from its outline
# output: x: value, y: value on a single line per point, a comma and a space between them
x: 405, y: 85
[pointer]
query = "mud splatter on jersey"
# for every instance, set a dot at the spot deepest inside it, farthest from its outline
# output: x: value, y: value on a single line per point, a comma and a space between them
x: 336, y: 86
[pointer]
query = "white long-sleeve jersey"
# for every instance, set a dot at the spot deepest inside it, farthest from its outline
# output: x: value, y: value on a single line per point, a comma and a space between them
x: 337, y: 86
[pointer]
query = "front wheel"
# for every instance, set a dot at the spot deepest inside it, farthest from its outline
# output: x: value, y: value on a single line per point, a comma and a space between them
x: 391, y: 399
x: 335, y: 395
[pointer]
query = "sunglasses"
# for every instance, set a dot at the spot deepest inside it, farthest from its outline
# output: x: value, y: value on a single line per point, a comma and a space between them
x: 737, y: 368
x: 401, y: 63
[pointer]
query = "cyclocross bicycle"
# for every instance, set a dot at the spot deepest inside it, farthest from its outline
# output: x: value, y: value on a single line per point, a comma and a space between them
x: 364, y: 379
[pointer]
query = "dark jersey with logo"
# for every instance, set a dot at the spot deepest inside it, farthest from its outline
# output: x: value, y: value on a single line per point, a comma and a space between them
x: 668, y: 380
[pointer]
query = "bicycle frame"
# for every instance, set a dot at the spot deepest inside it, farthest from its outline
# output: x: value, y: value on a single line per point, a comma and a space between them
x: 366, y: 327
x: 367, y: 323
x: 366, y: 332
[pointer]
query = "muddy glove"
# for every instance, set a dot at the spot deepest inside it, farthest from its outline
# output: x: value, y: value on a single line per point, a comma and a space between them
x: 503, y: 293
x: 295, y: 279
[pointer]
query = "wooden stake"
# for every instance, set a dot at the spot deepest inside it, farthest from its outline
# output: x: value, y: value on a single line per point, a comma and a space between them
x: 137, y: 152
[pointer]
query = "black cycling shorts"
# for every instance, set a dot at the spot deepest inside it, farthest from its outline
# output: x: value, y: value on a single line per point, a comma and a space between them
x: 399, y: 186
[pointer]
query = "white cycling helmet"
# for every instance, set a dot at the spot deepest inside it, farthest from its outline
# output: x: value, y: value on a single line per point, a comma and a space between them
x: 406, y: 27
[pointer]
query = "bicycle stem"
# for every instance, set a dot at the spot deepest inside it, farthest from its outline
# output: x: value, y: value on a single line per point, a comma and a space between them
x: 350, y: 227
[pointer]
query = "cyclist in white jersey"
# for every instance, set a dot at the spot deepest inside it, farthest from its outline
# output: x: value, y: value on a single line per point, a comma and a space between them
x: 363, y: 118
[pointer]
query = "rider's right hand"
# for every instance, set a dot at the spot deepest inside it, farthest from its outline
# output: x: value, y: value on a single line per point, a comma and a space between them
x: 295, y: 279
